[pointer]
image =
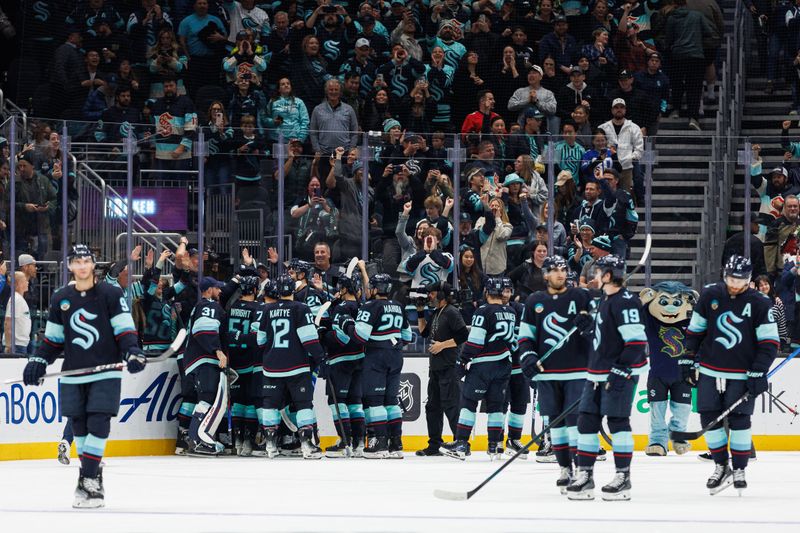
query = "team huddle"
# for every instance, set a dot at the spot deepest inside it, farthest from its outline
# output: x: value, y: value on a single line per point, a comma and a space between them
x: 254, y: 350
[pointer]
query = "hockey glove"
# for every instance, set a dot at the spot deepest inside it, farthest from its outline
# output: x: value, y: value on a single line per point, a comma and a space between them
x: 343, y: 324
x: 34, y: 370
x: 618, y: 377
x: 585, y: 325
x: 756, y: 383
x: 688, y: 367
x: 136, y: 360
x: 529, y: 361
x: 462, y: 366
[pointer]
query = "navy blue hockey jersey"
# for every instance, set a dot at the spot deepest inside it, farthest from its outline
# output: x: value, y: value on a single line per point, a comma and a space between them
x: 341, y: 345
x: 291, y: 337
x: 244, y: 322
x: 382, y: 324
x: 491, y: 337
x: 619, y: 336
x: 205, y: 335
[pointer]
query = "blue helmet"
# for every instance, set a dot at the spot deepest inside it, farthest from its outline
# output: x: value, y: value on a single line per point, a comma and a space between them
x: 613, y: 264
x: 507, y: 283
x: 494, y: 286
x: 352, y: 284
x: 284, y: 285
x: 738, y: 267
x: 381, y: 283
x: 248, y: 285
x: 298, y: 265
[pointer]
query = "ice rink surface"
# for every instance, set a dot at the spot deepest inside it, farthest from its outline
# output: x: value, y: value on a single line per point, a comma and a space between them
x: 179, y: 494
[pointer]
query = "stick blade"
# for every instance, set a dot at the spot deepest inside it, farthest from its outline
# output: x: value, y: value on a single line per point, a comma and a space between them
x: 321, y: 313
x: 684, y: 435
x: 351, y: 266
x: 455, y: 496
x: 180, y: 338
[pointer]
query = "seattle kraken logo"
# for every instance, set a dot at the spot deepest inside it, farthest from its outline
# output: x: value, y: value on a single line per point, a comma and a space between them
x: 79, y: 322
x: 428, y: 274
x: 726, y: 325
x: 552, y: 328
x: 673, y: 341
x: 42, y: 11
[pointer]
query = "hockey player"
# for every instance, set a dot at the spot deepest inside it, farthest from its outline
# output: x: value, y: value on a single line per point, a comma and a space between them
x: 202, y: 362
x: 382, y: 326
x: 292, y: 348
x: 667, y: 306
x: 486, y: 364
x: 617, y: 358
x: 519, y: 391
x: 547, y: 318
x: 244, y: 352
x: 343, y: 370
x: 91, y: 324
x: 299, y: 270
x: 739, y: 338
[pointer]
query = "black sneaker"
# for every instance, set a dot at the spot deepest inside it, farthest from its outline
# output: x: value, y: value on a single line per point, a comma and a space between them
x: 582, y: 486
x: 620, y: 487
x: 721, y: 479
x: 378, y: 448
x: 395, y: 447
x: 89, y: 494
x: 428, y: 452
x: 338, y: 450
x: 458, y: 449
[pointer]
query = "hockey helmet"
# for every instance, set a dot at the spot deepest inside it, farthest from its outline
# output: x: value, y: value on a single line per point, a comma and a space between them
x: 271, y: 290
x: 495, y: 286
x: 554, y: 261
x: 284, y: 285
x: 352, y: 283
x: 738, y: 267
x: 248, y: 285
x: 613, y: 264
x: 298, y: 266
x: 381, y: 283
x: 80, y: 250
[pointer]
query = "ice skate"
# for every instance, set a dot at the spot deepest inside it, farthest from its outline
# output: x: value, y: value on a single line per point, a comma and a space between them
x: 395, y: 448
x: 290, y: 447
x: 739, y: 483
x: 582, y: 486
x: 619, y: 489
x: 655, y: 450
x: 428, y: 452
x: 204, y: 449
x: 358, y: 449
x: 89, y: 493
x: 63, y: 452
x: 545, y: 452
x: 721, y: 479
x: 182, y: 442
x: 601, y: 454
x: 681, y: 447
x: 378, y: 448
x: 338, y: 450
x: 564, y: 479
x: 245, y: 449
x: 458, y: 449
x: 494, y: 450
x: 307, y: 445
x: 513, y: 446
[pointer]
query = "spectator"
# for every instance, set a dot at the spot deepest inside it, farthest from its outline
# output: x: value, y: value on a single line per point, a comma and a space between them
x: 361, y: 65
x: 576, y: 92
x: 686, y: 32
x: 89, y: 15
x: 469, y: 83
x: 21, y: 321
x: 287, y: 114
x: 486, y: 160
x: 625, y: 138
x: 472, y: 196
x: 558, y: 234
x: 735, y: 245
x: 297, y: 171
x: 781, y: 236
x: 90, y: 77
x: 35, y: 201
x: 630, y: 47
x: 533, y: 96
x: 376, y: 114
x: 640, y: 107
x: 249, y: 148
x: 525, y: 55
x: 427, y: 266
x: 531, y: 140
x: 516, y: 200
x: 600, y: 55
x: 542, y: 21
x: 245, y: 15
x: 582, y: 234
x: 245, y: 99
x: 552, y: 78
x: 279, y: 46
x: 219, y: 137
x: 352, y: 206
x: 591, y: 207
x: 493, y: 251
x: 144, y: 27
x: 247, y: 57
x: 653, y: 82
x: 395, y: 193
x: 764, y: 286
x: 333, y: 123
x: 472, y: 281
x: 508, y: 81
x: 408, y: 244
x: 480, y: 121
x: 566, y: 197
x: 568, y: 152
x: 405, y: 34
x: 773, y: 188
x: 528, y: 277
x: 600, y: 155
x: 400, y: 73
x: 68, y: 62
x: 167, y: 59
x: 440, y: 83
x: 317, y: 220
x: 127, y: 78
x: 620, y: 213
x: 336, y: 33
x: 481, y: 39
x: 583, y: 128
x: 203, y: 38
x: 559, y: 45
x: 175, y: 121
x: 601, y: 247
x: 711, y: 43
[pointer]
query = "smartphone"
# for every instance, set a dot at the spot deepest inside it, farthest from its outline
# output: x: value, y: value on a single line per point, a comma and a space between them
x: 316, y: 192
x: 379, y: 78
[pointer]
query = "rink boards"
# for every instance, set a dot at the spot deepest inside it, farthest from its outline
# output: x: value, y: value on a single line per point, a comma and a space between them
x: 30, y: 422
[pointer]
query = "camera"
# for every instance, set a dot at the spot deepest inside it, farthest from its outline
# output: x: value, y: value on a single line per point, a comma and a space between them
x: 421, y: 301
x: 329, y: 10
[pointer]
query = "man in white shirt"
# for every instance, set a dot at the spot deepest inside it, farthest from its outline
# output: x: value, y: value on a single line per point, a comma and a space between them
x: 22, y: 317
x: 626, y: 138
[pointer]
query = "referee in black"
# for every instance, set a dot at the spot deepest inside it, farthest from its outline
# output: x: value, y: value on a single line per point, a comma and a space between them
x: 445, y: 329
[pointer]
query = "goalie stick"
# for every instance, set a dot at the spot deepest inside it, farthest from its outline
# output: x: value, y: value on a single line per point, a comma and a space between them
x: 462, y: 496
x: 176, y: 345
x: 694, y: 435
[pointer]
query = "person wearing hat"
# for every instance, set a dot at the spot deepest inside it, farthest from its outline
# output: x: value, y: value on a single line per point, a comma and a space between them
x: 569, y: 151
x: 559, y: 45
x: 641, y: 108
x: 600, y: 247
x: 773, y: 187
x: 363, y: 64
x: 576, y: 92
x: 531, y: 140
x: 653, y: 82
x: 352, y: 205
x: 36, y: 201
x: 245, y: 14
x: 582, y: 235
x: 533, y: 96
x: 625, y: 136
x: 618, y: 207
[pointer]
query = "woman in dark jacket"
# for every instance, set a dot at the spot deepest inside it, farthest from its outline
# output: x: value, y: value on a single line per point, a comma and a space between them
x: 470, y: 78
x: 376, y: 110
x: 471, y: 280
x: 310, y: 73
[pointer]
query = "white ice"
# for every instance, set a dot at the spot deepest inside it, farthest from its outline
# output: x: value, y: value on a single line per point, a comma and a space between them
x: 177, y: 494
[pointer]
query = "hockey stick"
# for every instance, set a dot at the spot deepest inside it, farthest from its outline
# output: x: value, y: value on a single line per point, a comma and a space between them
x: 287, y: 419
x: 348, y: 449
x: 166, y: 354
x: 694, y: 435
x: 461, y: 496
x: 643, y: 260
x: 781, y: 403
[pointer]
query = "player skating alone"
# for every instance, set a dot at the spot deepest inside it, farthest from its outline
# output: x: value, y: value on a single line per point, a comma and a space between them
x: 91, y: 324
x: 617, y: 358
x: 292, y: 347
x: 547, y: 318
x: 735, y: 327
x: 486, y: 364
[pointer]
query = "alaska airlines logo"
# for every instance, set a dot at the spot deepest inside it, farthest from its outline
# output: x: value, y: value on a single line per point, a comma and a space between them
x: 551, y: 326
x: 726, y: 325
x: 79, y: 322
